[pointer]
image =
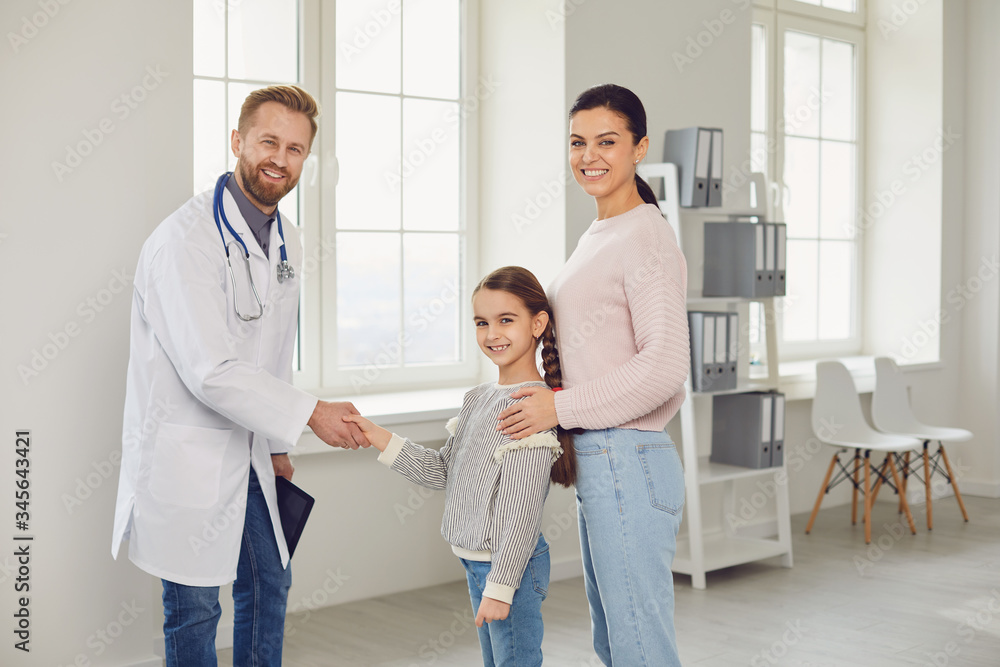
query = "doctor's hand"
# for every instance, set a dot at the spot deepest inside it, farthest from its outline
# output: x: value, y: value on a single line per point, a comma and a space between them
x: 282, y: 466
x: 327, y: 423
x: 531, y: 415
x: 376, y: 435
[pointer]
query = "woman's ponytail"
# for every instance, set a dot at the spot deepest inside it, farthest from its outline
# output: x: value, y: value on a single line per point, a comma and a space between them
x: 645, y: 191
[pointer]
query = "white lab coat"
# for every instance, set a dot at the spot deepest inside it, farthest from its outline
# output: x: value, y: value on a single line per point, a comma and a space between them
x: 207, y: 395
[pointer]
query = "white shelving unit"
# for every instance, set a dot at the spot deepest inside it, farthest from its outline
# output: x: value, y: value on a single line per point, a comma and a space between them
x: 700, y: 551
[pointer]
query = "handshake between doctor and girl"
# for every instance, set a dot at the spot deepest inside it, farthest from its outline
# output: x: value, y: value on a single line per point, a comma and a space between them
x: 213, y: 334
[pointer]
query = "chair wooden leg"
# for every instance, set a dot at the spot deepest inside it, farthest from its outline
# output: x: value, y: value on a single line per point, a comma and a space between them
x: 854, y: 493
x: 868, y: 499
x: 906, y: 473
x: 881, y: 475
x: 906, y: 505
x: 822, y: 492
x: 927, y: 484
x: 954, y: 485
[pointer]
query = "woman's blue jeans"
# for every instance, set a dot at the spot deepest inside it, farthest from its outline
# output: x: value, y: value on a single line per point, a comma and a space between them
x: 630, y: 493
x: 515, y: 641
x: 260, y: 592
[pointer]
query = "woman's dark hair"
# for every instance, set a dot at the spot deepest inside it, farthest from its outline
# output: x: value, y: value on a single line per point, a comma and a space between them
x: 523, y: 284
x: 624, y: 103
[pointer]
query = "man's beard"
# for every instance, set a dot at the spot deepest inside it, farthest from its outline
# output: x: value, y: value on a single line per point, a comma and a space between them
x: 267, y: 194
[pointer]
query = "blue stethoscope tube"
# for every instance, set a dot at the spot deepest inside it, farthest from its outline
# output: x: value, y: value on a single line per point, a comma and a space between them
x: 285, y: 270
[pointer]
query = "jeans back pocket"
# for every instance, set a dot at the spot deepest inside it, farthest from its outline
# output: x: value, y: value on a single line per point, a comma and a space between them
x: 664, y: 476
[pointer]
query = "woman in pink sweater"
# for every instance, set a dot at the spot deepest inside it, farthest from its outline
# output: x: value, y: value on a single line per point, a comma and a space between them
x: 621, y: 330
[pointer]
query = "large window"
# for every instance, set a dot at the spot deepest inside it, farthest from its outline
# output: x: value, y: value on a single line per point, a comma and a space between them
x: 383, y: 198
x: 807, y: 61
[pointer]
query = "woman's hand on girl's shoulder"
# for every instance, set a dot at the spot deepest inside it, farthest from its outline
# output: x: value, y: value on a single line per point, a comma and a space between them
x: 534, y: 413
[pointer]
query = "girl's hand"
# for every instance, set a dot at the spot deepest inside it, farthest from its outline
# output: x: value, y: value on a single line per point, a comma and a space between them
x: 534, y: 414
x: 491, y: 610
x: 377, y: 436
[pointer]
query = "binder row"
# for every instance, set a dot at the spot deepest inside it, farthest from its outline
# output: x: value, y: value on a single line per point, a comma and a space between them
x: 715, y: 339
x: 748, y: 429
x: 744, y: 259
x: 697, y: 152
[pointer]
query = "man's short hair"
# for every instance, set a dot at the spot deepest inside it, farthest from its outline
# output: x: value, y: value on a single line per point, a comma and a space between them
x: 288, y: 96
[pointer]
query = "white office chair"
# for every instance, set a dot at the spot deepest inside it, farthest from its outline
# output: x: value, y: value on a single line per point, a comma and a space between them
x: 891, y: 413
x: 838, y: 421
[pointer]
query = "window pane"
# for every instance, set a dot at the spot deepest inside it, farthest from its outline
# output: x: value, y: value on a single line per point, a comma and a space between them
x: 836, y: 267
x: 758, y: 80
x: 838, y: 90
x: 431, y: 297
x: 837, y: 199
x: 800, y: 302
x: 842, y: 5
x: 211, y: 140
x: 237, y: 94
x: 368, y: 299
x: 758, y: 154
x: 263, y: 40
x: 368, y: 45
x: 801, y: 187
x: 802, y: 84
x: 368, y: 141
x: 209, y: 38
x: 430, y: 174
x: 431, y: 44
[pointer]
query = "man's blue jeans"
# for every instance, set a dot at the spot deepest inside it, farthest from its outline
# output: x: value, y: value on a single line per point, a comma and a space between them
x: 515, y: 641
x: 191, y: 613
x: 630, y: 493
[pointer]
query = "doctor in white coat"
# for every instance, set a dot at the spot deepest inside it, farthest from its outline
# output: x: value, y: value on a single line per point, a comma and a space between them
x: 210, y: 413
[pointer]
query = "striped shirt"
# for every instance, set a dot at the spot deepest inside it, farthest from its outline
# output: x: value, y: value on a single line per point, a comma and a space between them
x: 494, y: 486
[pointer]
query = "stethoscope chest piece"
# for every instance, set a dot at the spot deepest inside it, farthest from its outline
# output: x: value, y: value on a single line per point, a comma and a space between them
x: 285, y: 271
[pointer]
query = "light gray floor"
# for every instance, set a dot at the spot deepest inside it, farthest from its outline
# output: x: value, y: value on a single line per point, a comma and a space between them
x: 929, y: 599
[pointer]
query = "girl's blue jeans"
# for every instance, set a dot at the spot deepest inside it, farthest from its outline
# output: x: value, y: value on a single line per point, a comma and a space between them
x: 515, y: 641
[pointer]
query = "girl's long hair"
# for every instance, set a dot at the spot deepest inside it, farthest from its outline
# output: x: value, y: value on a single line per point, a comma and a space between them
x: 626, y: 104
x: 522, y: 284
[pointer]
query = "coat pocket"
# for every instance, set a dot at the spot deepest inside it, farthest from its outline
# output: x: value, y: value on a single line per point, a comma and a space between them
x: 187, y: 465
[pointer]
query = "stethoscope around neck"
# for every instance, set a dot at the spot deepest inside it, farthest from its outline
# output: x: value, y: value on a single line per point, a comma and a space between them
x: 285, y: 271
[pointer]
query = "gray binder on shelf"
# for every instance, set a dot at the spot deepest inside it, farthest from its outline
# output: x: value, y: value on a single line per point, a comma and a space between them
x: 690, y: 150
x: 779, y: 258
x: 770, y: 244
x: 703, y: 371
x: 730, y: 375
x: 736, y: 260
x: 715, y: 170
x: 741, y: 429
x: 778, y: 431
x: 721, y: 348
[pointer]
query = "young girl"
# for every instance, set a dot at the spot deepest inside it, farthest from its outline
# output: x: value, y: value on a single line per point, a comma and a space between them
x: 495, y: 486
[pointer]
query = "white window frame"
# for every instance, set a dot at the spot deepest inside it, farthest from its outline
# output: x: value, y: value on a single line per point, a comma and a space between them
x: 318, y: 370
x: 836, y: 25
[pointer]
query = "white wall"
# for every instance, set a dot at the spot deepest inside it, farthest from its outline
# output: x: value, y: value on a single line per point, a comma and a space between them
x: 981, y: 247
x: 906, y: 140
x: 64, y: 240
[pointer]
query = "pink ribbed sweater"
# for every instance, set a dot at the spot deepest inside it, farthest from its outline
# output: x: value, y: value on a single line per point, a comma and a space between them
x: 621, y: 325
